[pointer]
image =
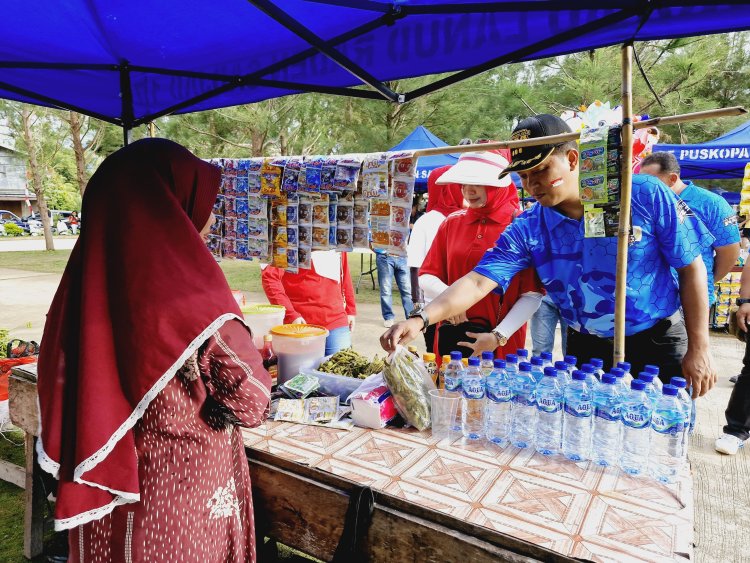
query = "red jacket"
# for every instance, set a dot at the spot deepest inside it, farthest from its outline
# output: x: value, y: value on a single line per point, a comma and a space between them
x: 318, y: 300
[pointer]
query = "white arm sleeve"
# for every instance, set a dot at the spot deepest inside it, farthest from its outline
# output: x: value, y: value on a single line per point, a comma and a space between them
x: 432, y: 286
x: 522, y: 311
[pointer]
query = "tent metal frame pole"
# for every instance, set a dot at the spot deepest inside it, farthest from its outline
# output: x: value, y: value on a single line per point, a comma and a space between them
x: 626, y: 187
x: 126, y: 92
x: 281, y: 17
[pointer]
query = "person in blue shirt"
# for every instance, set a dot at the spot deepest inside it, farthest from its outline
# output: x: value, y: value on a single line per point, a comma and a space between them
x: 717, y: 215
x: 579, y: 273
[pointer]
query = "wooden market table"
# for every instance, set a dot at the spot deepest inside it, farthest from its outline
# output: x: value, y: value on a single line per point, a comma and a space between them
x: 434, y: 500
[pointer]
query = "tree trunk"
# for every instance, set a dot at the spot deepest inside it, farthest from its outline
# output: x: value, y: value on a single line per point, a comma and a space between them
x: 36, y: 177
x: 76, y: 124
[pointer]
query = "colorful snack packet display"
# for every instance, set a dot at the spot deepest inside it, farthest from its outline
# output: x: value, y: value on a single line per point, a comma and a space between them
x: 375, y: 176
x: 290, y: 178
x: 328, y: 174
x: 593, y: 165
x: 270, y: 179
x: 313, y: 172
x: 347, y: 173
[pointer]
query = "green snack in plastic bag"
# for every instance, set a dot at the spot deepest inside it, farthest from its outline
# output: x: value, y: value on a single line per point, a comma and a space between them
x: 409, y: 384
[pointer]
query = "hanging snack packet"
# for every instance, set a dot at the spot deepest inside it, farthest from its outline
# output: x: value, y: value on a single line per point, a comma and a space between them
x: 290, y: 178
x: 278, y: 213
x: 403, y: 164
x: 375, y: 176
x: 258, y: 228
x: 292, y: 217
x: 280, y: 237
x: 219, y: 205
x: 254, y: 166
x: 229, y: 248
x: 359, y: 237
x: 332, y: 208
x: 344, y: 239
x: 257, y: 248
x: 292, y: 260
x: 399, y: 239
x: 229, y: 206
x: 320, y: 212
x: 213, y: 242
x: 304, y: 236
x: 305, y: 211
x: 257, y: 207
x: 403, y: 191
x: 242, y: 250
x: 270, y: 179
x: 230, y: 227
x: 320, y: 238
x: 279, y: 257
x: 292, y: 235
x: 241, y: 184
x: 361, y: 212
x: 230, y: 185
x: 345, y: 215
x: 218, y: 227
x: 593, y: 221
x: 241, y: 207
x: 313, y: 171
x: 243, y: 229
x: 303, y: 258
x: 593, y: 165
x: 327, y: 174
x: 400, y: 216
x: 332, y: 230
x: 347, y: 173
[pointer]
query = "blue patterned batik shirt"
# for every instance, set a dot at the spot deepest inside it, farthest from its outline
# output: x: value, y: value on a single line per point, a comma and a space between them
x: 720, y: 220
x: 579, y: 272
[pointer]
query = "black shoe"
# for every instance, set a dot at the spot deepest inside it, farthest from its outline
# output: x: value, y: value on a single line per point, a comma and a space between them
x: 733, y: 379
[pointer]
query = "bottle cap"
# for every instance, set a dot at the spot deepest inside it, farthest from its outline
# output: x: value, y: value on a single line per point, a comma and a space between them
x: 624, y: 365
x: 488, y: 356
x: 598, y: 363
x: 549, y: 371
x: 465, y: 362
x: 638, y: 384
x: 561, y: 365
x: 647, y: 377
x: 524, y: 366
x: 617, y: 372
x: 608, y: 378
x: 474, y: 361
x: 670, y: 390
x: 522, y: 353
x: 651, y: 369
x: 446, y: 358
x: 547, y: 356
x: 267, y: 337
x: 679, y: 382
x: 537, y: 361
x: 578, y: 375
x: 511, y: 359
x: 587, y: 368
x: 571, y: 360
x: 456, y: 356
x: 412, y: 348
x: 499, y: 364
x: 428, y: 357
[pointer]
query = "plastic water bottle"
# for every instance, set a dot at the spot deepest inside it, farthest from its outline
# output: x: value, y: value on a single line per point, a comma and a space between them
x: 487, y: 364
x: 472, y: 401
x: 564, y: 375
x: 497, y: 405
x: 549, y: 406
x: 523, y: 409
x: 651, y: 390
x: 572, y: 362
x: 686, y: 401
x: 511, y: 365
x: 523, y: 355
x: 598, y: 364
x: 605, y: 440
x: 577, y: 418
x: 623, y: 387
x: 452, y: 379
x: 650, y: 368
x: 635, y: 414
x: 537, y: 369
x: 591, y: 379
x: 625, y: 366
x: 667, y: 436
x: 547, y: 358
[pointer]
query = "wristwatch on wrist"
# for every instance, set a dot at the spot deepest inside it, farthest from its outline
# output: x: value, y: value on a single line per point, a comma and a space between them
x: 742, y: 301
x: 419, y: 313
x: 501, y: 340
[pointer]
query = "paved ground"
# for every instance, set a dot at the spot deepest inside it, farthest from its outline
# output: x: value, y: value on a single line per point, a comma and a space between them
x: 721, y: 490
x: 18, y: 244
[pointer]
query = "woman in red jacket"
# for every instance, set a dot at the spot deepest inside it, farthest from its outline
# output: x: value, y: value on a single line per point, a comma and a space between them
x: 322, y: 295
x: 494, y: 323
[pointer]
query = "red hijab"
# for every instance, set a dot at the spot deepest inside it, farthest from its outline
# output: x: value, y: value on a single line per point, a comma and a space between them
x: 445, y: 198
x: 140, y: 294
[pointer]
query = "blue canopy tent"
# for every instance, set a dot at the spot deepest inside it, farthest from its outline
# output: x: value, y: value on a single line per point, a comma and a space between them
x: 724, y: 157
x: 131, y: 62
x: 422, y: 138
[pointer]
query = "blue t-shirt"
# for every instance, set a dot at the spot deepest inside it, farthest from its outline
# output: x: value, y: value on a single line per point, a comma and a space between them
x: 719, y: 218
x: 579, y: 272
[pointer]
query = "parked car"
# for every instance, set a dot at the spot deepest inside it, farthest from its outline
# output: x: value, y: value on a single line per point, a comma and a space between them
x: 55, y: 215
x: 10, y: 217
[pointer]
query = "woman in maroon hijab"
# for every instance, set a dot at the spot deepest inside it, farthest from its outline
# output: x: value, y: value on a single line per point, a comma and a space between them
x: 146, y: 371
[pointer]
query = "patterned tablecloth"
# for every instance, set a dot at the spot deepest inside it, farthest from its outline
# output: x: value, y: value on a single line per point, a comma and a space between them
x: 577, y: 509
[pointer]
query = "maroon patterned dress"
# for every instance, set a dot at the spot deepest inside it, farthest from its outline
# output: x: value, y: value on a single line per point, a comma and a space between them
x: 195, y: 483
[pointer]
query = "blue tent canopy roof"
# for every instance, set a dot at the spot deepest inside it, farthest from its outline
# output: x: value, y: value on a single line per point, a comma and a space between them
x: 723, y: 158
x: 422, y: 138
x: 130, y: 62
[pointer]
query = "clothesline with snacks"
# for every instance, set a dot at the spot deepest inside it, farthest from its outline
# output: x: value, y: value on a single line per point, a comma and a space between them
x: 278, y: 210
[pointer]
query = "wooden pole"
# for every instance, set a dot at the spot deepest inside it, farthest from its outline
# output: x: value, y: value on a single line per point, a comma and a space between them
x: 626, y: 184
x: 554, y: 139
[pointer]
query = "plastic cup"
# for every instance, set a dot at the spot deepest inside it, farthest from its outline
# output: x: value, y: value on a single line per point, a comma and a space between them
x: 444, y: 408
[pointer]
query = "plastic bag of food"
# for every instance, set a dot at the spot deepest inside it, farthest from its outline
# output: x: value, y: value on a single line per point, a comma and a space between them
x: 409, y: 382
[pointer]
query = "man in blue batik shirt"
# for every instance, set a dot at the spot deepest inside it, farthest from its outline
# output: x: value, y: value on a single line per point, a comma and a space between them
x: 579, y: 272
x: 712, y: 209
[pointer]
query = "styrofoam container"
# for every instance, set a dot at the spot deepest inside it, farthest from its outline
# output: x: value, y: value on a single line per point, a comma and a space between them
x: 261, y: 318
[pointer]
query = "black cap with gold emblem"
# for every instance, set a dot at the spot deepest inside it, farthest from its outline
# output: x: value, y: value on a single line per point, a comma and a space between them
x: 542, y: 125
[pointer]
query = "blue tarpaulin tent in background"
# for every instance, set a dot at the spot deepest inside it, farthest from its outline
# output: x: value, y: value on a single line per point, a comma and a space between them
x: 422, y: 138
x: 131, y: 62
x: 723, y: 158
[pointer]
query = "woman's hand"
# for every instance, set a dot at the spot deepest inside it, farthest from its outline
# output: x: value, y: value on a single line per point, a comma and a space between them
x: 352, y: 322
x: 401, y: 333
x: 743, y: 316
x: 484, y: 342
x: 299, y: 321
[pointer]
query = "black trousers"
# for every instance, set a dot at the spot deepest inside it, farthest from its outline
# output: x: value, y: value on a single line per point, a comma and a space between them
x: 663, y: 345
x: 738, y: 409
x: 429, y: 338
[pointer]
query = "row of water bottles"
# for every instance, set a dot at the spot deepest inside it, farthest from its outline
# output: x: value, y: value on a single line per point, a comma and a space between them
x: 583, y: 414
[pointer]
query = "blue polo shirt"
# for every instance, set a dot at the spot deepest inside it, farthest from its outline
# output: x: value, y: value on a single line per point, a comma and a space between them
x: 720, y: 220
x: 579, y: 272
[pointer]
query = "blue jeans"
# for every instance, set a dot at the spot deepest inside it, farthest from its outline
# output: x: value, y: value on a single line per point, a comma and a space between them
x: 338, y: 339
x: 543, y: 325
x: 388, y: 267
